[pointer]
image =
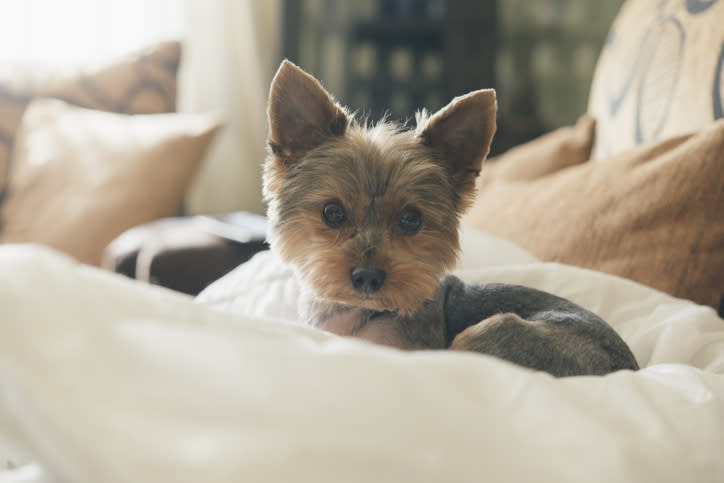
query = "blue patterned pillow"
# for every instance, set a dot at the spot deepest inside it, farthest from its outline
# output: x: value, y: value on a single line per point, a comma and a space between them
x: 660, y: 74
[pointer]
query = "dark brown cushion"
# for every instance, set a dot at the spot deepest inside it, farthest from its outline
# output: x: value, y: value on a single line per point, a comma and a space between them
x: 176, y: 253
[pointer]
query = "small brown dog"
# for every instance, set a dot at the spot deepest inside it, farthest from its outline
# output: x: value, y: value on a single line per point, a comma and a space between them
x: 369, y: 218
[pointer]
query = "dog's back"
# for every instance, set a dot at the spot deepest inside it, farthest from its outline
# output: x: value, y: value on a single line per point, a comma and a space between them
x: 531, y: 328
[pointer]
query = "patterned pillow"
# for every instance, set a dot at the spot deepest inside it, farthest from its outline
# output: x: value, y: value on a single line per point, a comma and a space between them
x: 142, y: 83
x: 660, y: 74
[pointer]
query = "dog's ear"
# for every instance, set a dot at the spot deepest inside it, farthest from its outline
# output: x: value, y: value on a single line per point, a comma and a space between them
x: 301, y: 114
x: 461, y: 132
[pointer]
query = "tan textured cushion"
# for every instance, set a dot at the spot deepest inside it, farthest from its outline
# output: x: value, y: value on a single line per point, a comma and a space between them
x: 81, y: 177
x: 660, y: 74
x: 564, y: 147
x: 653, y: 214
x: 144, y: 83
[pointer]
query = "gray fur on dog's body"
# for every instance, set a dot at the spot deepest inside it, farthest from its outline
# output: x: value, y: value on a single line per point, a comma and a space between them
x: 550, y: 333
x: 528, y: 327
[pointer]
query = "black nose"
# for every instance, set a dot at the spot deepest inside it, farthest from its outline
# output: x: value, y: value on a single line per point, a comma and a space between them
x: 367, y: 280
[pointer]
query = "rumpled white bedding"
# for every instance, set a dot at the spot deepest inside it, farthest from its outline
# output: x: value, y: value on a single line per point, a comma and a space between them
x: 106, y: 380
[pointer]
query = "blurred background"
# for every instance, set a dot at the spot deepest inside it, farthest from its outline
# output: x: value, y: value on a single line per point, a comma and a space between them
x: 397, y: 56
x: 375, y: 56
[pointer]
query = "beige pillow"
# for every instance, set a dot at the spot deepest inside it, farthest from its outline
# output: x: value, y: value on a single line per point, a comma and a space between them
x: 653, y: 214
x: 142, y: 83
x: 81, y: 177
x: 564, y: 147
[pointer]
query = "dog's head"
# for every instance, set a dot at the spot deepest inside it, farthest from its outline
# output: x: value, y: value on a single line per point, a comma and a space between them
x: 369, y: 215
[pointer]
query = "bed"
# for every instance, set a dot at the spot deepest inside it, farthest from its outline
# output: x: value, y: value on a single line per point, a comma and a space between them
x: 104, y: 378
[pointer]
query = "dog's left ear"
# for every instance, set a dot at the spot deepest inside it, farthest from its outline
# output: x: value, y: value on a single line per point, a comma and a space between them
x: 462, y: 132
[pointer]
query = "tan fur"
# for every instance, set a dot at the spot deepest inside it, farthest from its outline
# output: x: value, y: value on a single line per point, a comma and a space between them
x: 374, y: 172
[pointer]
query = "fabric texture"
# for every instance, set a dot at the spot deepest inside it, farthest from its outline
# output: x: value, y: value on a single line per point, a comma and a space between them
x: 142, y: 83
x: 653, y: 214
x: 564, y: 147
x: 107, y: 379
x: 81, y: 177
x: 660, y: 73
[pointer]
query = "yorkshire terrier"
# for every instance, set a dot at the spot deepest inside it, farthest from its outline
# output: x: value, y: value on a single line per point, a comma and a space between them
x: 368, y: 216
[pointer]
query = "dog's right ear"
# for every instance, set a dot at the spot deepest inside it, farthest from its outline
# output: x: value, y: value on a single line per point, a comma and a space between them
x: 461, y: 133
x: 301, y: 114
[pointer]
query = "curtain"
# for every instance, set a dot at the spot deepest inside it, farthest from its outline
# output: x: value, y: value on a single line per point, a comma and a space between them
x: 229, y: 58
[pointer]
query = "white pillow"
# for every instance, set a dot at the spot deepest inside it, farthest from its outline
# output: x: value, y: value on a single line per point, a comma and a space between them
x: 263, y: 287
x: 109, y: 379
x: 483, y: 250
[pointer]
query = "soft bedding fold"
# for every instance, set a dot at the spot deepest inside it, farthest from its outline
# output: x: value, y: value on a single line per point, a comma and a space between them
x: 105, y: 379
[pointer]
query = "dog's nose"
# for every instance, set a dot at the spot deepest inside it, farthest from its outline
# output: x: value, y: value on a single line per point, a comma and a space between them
x: 367, y: 280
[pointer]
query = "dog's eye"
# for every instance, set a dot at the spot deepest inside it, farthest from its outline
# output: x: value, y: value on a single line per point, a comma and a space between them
x: 333, y: 214
x: 410, y: 221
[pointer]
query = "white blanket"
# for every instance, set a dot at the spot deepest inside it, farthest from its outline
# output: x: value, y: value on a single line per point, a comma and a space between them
x: 103, y: 379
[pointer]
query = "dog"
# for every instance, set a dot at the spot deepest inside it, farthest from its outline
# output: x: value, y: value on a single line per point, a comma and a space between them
x: 368, y: 216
